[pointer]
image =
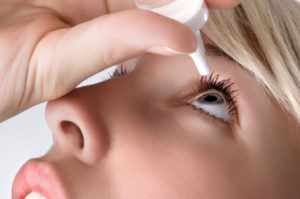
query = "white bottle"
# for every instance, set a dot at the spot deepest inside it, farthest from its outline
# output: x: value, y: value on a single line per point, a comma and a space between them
x: 192, y: 13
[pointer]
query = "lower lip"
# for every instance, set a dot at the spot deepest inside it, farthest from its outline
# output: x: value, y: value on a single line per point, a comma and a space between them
x: 39, y: 177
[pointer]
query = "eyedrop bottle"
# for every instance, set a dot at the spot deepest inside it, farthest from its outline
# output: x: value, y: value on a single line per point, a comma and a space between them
x: 192, y: 13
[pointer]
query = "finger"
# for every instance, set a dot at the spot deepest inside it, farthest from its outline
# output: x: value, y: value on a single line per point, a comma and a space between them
x: 74, y: 11
x: 218, y: 4
x: 73, y: 55
x: 77, y: 11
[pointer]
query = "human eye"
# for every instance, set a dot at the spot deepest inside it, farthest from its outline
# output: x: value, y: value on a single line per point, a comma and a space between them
x: 213, y: 103
x: 211, y: 96
x: 215, y: 97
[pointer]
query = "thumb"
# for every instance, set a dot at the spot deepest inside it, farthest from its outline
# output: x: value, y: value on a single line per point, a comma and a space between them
x: 66, y: 57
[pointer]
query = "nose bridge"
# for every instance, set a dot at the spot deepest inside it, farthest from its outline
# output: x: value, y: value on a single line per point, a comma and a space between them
x: 77, y: 128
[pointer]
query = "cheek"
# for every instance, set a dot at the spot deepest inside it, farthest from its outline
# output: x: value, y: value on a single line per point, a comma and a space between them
x: 159, y: 159
x: 272, y: 144
x: 175, y: 172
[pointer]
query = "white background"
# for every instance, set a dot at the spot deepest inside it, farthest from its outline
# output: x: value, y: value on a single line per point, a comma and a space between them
x: 26, y: 136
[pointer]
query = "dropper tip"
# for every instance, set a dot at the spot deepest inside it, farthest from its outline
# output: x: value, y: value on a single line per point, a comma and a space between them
x: 199, y: 57
x: 201, y: 64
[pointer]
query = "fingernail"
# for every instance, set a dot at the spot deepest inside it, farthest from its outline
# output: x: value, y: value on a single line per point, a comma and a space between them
x: 166, y: 51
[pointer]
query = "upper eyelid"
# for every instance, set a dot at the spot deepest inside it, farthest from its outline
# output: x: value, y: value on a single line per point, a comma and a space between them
x: 232, y: 94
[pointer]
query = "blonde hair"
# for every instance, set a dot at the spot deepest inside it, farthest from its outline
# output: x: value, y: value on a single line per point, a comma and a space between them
x: 264, y: 37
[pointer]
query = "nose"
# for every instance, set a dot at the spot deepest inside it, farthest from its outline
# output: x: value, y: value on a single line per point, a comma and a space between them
x: 77, y: 129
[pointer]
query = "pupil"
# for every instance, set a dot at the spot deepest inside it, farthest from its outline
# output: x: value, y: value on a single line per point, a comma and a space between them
x: 210, y: 98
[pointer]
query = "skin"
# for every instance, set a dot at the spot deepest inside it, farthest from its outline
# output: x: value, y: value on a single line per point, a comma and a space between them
x: 38, y: 38
x: 135, y: 143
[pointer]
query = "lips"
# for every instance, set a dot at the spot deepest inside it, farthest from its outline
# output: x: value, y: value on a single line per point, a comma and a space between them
x: 41, y: 177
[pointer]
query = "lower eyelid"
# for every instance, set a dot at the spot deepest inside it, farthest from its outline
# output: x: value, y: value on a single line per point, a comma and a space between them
x: 206, y: 117
x: 202, y: 111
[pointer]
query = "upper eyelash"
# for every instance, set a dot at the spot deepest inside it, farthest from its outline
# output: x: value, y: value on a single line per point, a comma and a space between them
x: 205, y: 83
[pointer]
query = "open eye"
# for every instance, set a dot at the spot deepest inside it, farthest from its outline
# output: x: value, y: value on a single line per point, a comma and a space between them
x: 213, y: 103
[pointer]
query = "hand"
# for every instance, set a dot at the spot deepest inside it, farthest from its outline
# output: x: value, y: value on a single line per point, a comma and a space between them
x: 48, y: 47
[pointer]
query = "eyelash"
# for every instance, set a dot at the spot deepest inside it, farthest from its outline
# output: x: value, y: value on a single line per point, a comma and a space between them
x: 224, y: 87
x: 120, y: 71
x: 205, y: 83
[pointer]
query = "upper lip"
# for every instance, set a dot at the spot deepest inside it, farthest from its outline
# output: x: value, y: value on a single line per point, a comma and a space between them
x: 40, y: 177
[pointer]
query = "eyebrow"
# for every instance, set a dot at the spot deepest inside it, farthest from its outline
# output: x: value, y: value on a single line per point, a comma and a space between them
x: 216, y: 51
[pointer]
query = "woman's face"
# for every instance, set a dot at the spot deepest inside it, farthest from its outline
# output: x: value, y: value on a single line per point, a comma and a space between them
x: 161, y: 132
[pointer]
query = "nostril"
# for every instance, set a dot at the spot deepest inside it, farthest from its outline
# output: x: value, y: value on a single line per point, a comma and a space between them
x: 71, y: 129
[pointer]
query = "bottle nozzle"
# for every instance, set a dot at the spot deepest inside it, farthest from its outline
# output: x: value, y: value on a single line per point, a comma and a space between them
x: 199, y: 57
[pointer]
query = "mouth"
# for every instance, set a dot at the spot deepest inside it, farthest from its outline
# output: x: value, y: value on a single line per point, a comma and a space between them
x: 38, y: 180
